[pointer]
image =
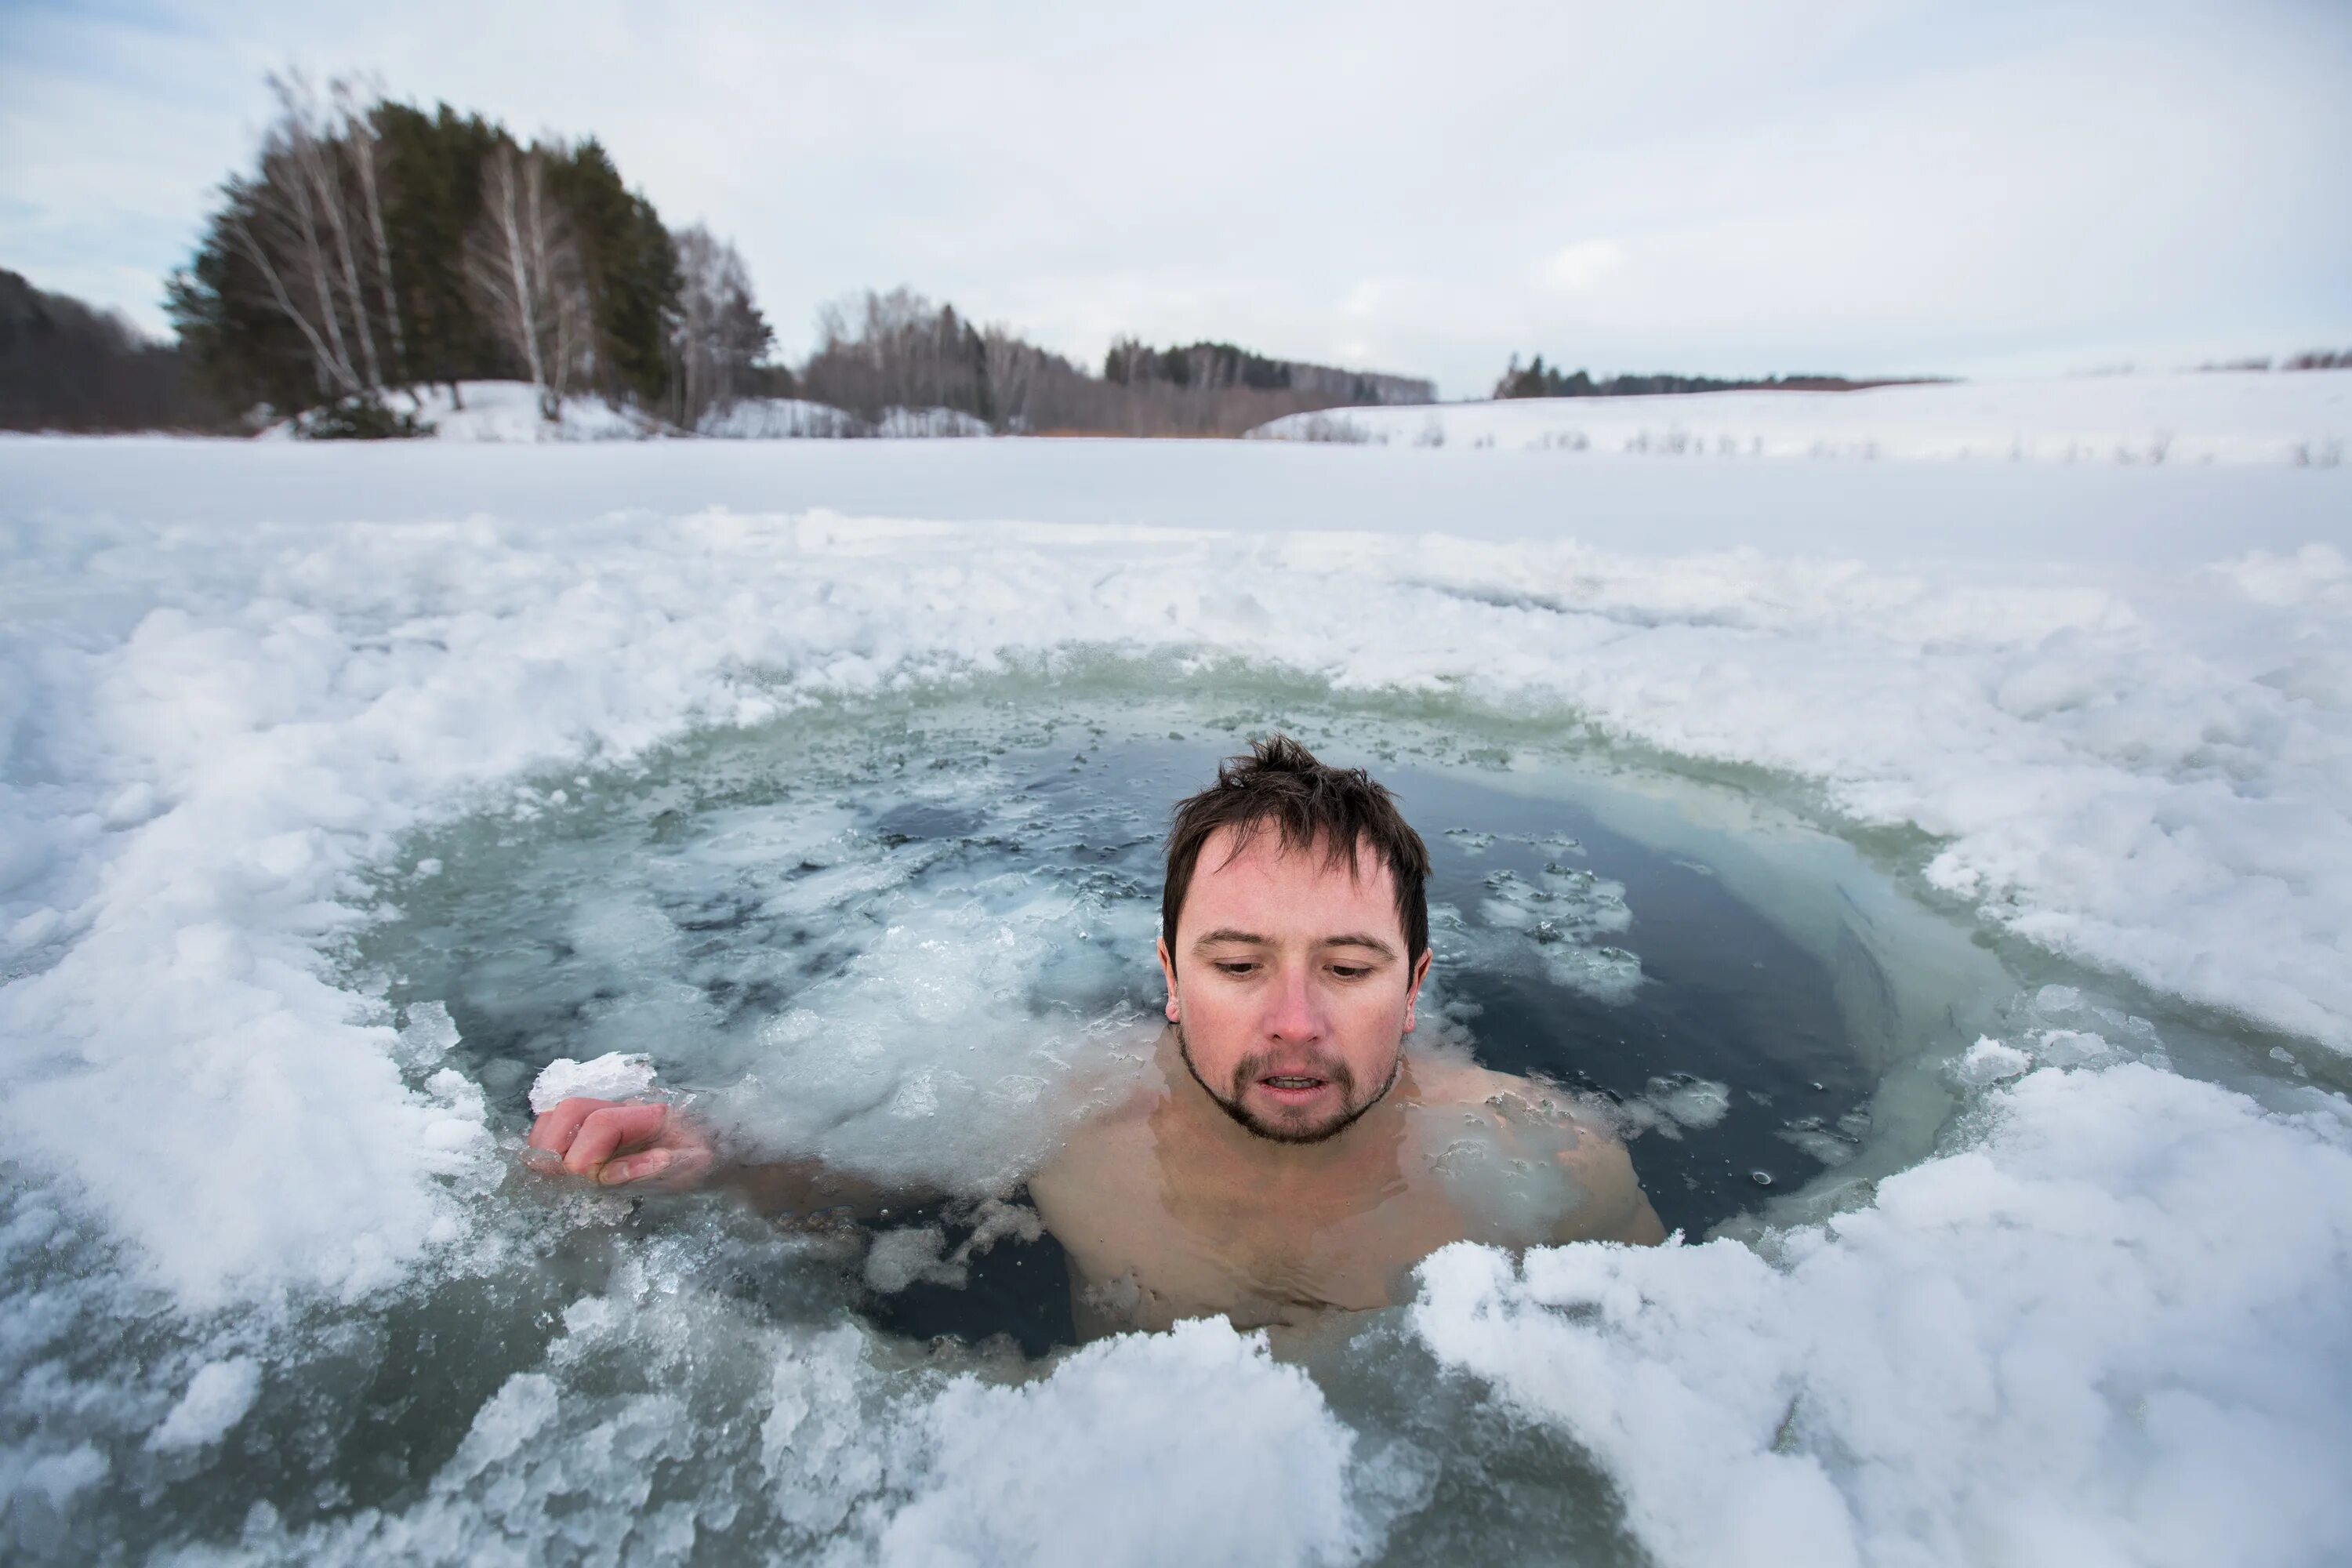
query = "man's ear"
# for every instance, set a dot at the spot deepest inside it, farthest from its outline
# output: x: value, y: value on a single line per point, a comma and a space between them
x: 1168, y: 973
x: 1412, y: 991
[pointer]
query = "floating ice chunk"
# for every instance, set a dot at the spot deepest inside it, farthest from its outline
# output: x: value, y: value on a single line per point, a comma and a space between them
x: 611, y: 1076
x: 218, y: 1398
x: 430, y: 1034
x: 1989, y: 1061
x: 902, y: 1258
x: 1700, y: 1102
x: 60, y: 1478
x: 520, y: 1409
x: 1671, y: 1104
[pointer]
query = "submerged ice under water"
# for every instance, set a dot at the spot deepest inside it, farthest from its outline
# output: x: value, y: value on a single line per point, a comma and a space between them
x: 916, y: 940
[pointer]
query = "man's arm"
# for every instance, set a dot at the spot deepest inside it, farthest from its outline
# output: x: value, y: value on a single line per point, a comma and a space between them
x: 647, y: 1146
x: 1615, y: 1208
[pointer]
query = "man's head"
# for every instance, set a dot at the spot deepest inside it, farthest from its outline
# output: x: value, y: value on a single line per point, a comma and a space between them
x: 1294, y: 937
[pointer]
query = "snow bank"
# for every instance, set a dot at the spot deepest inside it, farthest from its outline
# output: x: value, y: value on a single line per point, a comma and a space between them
x: 508, y: 411
x: 2228, y: 417
x: 776, y: 418
x: 2114, y: 1330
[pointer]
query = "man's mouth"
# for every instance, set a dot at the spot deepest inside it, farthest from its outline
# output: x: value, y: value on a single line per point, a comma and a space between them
x: 1293, y: 1086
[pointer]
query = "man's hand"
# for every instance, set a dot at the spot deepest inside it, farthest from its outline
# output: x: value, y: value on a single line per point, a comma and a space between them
x: 617, y: 1144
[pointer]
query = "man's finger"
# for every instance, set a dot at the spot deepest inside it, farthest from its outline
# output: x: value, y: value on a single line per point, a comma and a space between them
x: 635, y: 1168
x: 611, y: 1131
x: 555, y: 1131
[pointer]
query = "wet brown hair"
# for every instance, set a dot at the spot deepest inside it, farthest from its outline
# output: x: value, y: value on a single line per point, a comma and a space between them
x: 1280, y: 784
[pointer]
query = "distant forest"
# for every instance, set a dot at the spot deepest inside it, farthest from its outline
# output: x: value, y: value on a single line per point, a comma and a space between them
x: 375, y: 248
x: 65, y: 365
x: 1539, y: 380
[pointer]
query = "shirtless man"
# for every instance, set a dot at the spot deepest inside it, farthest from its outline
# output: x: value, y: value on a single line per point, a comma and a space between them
x: 1284, y: 1157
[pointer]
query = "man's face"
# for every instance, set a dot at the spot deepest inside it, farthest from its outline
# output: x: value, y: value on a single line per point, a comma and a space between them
x: 1289, y: 984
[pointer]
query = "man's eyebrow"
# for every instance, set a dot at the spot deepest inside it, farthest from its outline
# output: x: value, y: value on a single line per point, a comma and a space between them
x: 1358, y: 938
x: 1346, y: 938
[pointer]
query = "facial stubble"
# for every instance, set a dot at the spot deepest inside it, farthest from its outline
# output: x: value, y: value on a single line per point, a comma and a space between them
x: 1253, y: 1067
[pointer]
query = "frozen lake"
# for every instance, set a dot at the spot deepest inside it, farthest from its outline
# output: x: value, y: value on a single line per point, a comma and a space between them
x: 1962, y: 849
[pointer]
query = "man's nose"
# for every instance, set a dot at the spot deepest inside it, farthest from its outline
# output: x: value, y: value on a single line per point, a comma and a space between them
x: 1295, y: 1015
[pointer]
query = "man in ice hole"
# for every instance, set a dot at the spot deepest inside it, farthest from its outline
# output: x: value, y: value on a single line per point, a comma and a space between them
x: 1286, y: 1157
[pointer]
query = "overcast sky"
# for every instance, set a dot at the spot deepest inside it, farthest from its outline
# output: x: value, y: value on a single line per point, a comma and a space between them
x: 1725, y: 188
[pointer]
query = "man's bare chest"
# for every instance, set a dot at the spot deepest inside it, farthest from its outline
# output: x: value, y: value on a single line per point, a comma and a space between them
x: 1145, y: 1251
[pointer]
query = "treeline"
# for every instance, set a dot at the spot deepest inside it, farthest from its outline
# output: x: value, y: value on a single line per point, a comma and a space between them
x: 66, y: 366
x: 375, y: 247
x: 1539, y: 380
x: 2309, y: 359
x: 898, y: 350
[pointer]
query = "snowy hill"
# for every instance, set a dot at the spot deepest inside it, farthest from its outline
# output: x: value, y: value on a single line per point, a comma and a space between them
x: 2232, y: 417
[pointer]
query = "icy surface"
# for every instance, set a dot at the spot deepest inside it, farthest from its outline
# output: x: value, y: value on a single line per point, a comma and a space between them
x: 2104, y: 1321
x: 2300, y: 418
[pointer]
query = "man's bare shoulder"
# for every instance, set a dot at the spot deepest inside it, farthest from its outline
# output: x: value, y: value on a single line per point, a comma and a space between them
x: 1107, y: 1142
x: 1543, y: 1121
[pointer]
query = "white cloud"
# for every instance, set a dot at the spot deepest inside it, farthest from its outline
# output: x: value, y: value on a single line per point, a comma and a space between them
x: 1576, y: 269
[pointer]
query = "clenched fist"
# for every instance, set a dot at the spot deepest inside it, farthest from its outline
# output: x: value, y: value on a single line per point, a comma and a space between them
x: 621, y: 1144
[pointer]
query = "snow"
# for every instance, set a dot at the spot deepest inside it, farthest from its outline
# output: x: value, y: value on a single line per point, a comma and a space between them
x: 2114, y: 1330
x: 615, y: 1075
x: 2105, y: 711
x: 2303, y: 418
x: 508, y: 411
x: 776, y: 418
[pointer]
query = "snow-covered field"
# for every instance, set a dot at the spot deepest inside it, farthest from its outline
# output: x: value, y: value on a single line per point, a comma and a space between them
x: 2303, y: 418
x: 2102, y: 713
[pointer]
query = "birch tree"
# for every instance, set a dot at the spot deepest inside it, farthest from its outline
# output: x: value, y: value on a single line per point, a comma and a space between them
x: 524, y: 266
x: 719, y: 333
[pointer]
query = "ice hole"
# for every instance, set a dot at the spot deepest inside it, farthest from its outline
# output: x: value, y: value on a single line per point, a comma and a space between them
x: 917, y: 943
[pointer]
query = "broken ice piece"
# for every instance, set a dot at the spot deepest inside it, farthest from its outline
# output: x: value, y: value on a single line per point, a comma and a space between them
x: 612, y: 1076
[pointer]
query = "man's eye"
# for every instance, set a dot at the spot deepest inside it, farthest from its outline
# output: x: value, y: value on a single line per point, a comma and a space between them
x: 1352, y: 971
x: 1235, y: 966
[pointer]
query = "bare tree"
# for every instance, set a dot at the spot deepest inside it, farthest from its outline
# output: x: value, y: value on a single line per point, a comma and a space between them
x: 299, y: 224
x: 719, y: 333
x: 364, y: 147
x: 307, y: 141
x: 524, y: 266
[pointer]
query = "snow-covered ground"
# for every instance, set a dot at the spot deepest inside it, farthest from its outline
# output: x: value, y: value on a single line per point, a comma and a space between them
x: 780, y: 419
x: 2216, y: 418
x: 509, y: 412
x: 2102, y: 712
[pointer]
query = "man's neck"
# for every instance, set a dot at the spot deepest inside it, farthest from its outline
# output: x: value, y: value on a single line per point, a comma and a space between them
x: 1201, y: 1125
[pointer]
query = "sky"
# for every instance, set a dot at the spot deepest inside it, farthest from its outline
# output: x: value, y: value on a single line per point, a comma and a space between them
x: 1718, y: 187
